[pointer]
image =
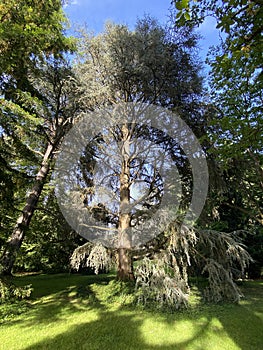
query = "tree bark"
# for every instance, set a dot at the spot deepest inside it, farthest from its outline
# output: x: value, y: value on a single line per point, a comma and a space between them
x: 125, y: 267
x: 14, y: 243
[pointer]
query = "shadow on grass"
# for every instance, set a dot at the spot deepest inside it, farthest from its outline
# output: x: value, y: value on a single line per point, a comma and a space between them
x: 112, y: 330
x: 53, y: 294
x: 124, y: 328
x: 244, y: 322
x: 44, y: 285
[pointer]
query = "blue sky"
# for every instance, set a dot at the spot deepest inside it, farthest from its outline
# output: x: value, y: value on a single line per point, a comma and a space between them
x: 94, y: 13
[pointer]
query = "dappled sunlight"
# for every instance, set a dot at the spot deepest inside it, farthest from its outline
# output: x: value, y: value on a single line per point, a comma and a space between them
x: 86, y: 312
x: 200, y: 333
x: 259, y: 315
x: 156, y: 332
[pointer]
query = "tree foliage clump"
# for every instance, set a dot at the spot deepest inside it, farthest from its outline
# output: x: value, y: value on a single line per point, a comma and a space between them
x: 224, y: 259
x: 162, y: 273
x: 10, y: 292
x: 219, y: 256
x: 148, y: 65
x: 29, y: 30
x: 236, y: 93
x: 49, y: 241
x: 154, y: 284
x: 95, y: 256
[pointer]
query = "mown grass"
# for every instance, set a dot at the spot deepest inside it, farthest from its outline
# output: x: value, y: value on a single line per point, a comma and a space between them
x: 93, y: 312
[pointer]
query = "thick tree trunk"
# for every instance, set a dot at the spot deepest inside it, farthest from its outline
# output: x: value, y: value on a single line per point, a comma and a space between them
x: 14, y: 243
x: 125, y: 268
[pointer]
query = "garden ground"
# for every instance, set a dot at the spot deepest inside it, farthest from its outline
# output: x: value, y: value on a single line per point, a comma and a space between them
x: 93, y: 312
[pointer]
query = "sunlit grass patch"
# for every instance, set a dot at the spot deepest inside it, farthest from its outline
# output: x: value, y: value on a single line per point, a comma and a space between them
x: 96, y: 312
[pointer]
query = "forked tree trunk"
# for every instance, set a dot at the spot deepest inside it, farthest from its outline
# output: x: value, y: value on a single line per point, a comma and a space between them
x: 125, y: 266
x: 14, y: 243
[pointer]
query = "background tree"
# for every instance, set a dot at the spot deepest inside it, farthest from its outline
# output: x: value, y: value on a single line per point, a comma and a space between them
x: 31, y: 33
x: 236, y: 84
x: 49, y: 240
x: 29, y: 30
x: 236, y: 87
x: 52, y: 117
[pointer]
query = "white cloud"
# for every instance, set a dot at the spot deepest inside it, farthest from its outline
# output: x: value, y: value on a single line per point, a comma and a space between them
x: 71, y: 2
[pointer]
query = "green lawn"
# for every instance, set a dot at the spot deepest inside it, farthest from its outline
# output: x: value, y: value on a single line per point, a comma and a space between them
x: 74, y: 312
